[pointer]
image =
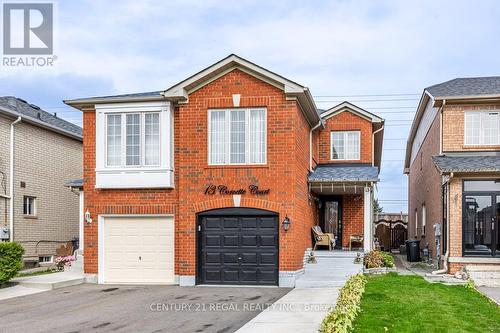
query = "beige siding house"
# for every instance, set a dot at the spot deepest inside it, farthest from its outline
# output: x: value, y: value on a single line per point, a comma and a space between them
x: 36, y: 208
x: 453, y: 168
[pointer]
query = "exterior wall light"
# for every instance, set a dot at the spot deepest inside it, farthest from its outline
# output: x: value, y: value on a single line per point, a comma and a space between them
x: 286, y: 223
x: 88, y: 217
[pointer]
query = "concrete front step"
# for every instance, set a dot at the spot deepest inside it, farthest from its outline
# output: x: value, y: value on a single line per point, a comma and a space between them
x: 335, y: 254
x: 50, y: 281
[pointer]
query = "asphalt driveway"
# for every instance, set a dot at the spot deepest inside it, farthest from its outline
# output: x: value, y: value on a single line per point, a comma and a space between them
x: 107, y: 308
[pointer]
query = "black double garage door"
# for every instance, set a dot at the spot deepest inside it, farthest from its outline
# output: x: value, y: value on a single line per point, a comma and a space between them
x: 238, y: 246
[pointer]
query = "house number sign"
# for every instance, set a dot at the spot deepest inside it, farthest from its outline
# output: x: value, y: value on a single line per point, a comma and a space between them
x: 224, y: 190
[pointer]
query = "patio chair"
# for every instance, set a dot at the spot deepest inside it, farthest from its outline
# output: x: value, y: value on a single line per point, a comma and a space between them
x: 321, y: 238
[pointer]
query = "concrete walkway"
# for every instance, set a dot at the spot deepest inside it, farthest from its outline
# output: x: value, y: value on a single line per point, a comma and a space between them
x: 38, y: 283
x: 492, y: 293
x: 315, y: 293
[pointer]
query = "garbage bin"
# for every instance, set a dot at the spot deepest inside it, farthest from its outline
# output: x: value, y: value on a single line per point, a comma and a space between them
x: 413, y: 250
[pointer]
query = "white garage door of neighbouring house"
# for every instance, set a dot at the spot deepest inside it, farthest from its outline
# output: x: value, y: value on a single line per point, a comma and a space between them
x: 138, y: 250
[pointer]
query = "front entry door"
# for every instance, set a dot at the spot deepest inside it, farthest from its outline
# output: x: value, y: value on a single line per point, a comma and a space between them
x: 481, y: 218
x: 332, y: 220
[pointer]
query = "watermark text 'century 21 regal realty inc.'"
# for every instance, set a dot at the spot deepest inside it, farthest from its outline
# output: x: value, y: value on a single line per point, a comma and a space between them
x: 28, y: 34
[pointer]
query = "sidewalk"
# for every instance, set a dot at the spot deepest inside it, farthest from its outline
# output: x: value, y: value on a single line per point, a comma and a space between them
x: 492, y: 293
x: 39, y: 283
x: 316, y: 291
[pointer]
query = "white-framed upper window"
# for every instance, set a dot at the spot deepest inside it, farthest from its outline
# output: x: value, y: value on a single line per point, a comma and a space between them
x: 482, y: 127
x: 237, y: 136
x: 29, y: 206
x: 134, y: 145
x: 345, y: 145
x: 133, y: 139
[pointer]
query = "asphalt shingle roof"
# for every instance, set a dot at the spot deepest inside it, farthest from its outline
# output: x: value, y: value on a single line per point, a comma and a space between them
x: 23, y: 108
x: 339, y: 173
x: 471, y: 86
x: 467, y: 163
x: 142, y: 94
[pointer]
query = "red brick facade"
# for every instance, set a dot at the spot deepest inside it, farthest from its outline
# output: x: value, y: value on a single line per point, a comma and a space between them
x: 285, y: 173
x: 345, y: 121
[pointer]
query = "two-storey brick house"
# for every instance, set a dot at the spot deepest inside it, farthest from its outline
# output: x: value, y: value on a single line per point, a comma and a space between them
x: 219, y: 179
x: 39, y: 153
x: 453, y: 167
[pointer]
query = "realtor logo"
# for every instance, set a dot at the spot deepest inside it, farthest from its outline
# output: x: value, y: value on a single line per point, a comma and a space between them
x: 28, y: 28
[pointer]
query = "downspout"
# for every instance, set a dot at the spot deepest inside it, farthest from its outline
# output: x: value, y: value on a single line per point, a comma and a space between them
x: 311, y: 145
x: 11, y: 180
x: 373, y: 143
x: 444, y: 270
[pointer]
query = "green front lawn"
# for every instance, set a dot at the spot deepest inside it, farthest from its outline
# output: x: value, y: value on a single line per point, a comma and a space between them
x: 395, y: 303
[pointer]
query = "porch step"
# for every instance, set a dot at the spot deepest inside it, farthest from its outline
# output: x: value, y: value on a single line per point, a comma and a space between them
x: 336, y: 254
x: 484, y: 276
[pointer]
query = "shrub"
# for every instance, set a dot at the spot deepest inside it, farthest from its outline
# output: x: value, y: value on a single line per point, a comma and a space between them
x: 11, y: 260
x: 388, y: 260
x: 377, y: 259
x: 340, y: 319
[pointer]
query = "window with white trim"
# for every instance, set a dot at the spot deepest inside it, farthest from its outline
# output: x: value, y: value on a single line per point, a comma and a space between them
x: 46, y: 259
x: 132, y: 139
x: 345, y: 145
x: 237, y: 136
x: 29, y: 206
x: 482, y: 127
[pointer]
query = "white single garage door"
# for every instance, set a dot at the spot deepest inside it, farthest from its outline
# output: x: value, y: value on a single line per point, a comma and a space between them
x: 138, y: 250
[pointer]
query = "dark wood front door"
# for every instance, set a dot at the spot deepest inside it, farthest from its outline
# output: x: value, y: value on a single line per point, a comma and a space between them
x: 238, y: 246
x: 331, y: 218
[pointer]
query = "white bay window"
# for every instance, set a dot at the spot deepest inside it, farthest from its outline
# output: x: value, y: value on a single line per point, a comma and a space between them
x: 134, y: 145
x: 482, y: 127
x: 237, y: 136
x: 345, y: 145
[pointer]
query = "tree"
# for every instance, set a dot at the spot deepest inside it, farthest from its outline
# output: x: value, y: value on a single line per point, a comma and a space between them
x: 377, y: 209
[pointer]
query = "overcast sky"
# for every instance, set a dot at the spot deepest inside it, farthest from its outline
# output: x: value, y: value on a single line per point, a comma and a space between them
x: 388, y: 50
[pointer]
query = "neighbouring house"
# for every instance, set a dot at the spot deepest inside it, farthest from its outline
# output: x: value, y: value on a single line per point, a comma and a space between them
x: 39, y: 153
x: 220, y: 178
x: 453, y: 167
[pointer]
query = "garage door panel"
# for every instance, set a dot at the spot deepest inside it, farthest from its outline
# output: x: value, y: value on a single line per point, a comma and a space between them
x: 230, y: 276
x: 268, y: 240
x: 267, y: 223
x: 268, y: 258
x: 138, y: 250
x: 231, y: 240
x: 249, y: 240
x: 213, y: 240
x: 267, y: 275
x: 249, y: 259
x: 246, y: 254
x: 230, y: 258
x: 230, y: 223
x: 248, y: 223
x: 213, y: 223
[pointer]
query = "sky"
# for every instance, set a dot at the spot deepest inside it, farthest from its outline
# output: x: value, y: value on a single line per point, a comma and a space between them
x: 377, y: 54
